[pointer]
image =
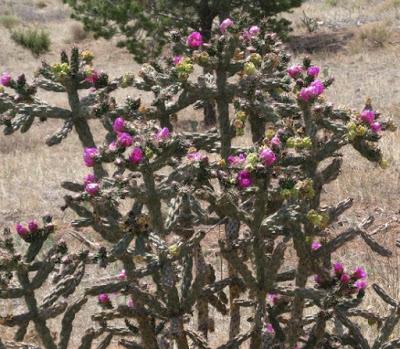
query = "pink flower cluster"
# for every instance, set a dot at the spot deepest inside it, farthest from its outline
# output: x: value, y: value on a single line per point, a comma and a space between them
x: 92, y: 76
x: 251, y: 33
x: 194, y: 40
x: 273, y: 298
x: 104, y: 299
x: 315, y: 89
x: 163, y: 134
x: 119, y: 125
x: 137, y: 156
x: 355, y: 281
x: 368, y: 116
x: 196, y: 156
x: 5, y: 79
x: 91, y: 185
x: 177, y: 59
x: 244, y: 179
x: 268, y: 157
x: 315, y: 245
x: 295, y: 70
x: 236, y: 160
x: 124, y: 140
x: 89, y: 156
x: 23, y: 232
x: 225, y: 24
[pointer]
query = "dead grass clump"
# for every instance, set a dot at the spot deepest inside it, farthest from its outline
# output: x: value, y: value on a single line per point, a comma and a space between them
x: 34, y: 39
x: 375, y: 35
x: 77, y: 32
x: 41, y: 4
x: 9, y: 21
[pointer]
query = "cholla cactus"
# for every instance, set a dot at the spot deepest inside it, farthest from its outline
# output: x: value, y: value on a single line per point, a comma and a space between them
x: 168, y: 190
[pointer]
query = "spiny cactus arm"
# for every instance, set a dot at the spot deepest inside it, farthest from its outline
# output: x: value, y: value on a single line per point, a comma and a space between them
x: 317, y: 332
x: 335, y: 211
x: 375, y: 246
x: 393, y: 344
x: 31, y: 303
x: 48, y: 313
x: 197, y: 339
x: 284, y: 215
x: 61, y: 134
x: 354, y: 330
x: 350, y: 234
x: 11, y: 293
x: 384, y: 296
x: 208, y: 141
x: 129, y: 344
x: 65, y: 286
x: 366, y: 314
x: 338, y: 241
x: 49, y: 85
x: 67, y: 321
x: 237, y: 341
x: 329, y: 173
x: 387, y: 328
x: 241, y: 268
x: 15, y: 345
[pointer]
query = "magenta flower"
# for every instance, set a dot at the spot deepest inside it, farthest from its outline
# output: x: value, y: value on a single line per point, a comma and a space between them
x: 195, y: 40
x: 89, y: 178
x: 244, y: 179
x: 225, y: 24
x: 21, y: 230
x: 103, y: 298
x: 33, y: 226
x: 246, y: 36
x: 136, y: 156
x: 89, y: 156
x: 177, y: 59
x: 318, y: 87
x: 92, y: 188
x: 92, y: 76
x: 5, y: 79
x: 236, y: 160
x: 273, y: 298
x: 360, y: 285
x: 268, y: 157
x: 313, y: 71
x: 368, y: 116
x: 294, y: 71
x: 306, y: 94
x: 254, y: 30
x: 196, y: 156
x: 113, y: 146
x: 338, y: 268
x: 270, y: 329
x: 360, y: 273
x: 376, y: 127
x: 276, y: 141
x: 163, y: 134
x: 314, y: 90
x: 131, y: 303
x: 315, y: 245
x: 124, y: 140
x: 345, y: 278
x: 122, y: 275
x: 119, y: 125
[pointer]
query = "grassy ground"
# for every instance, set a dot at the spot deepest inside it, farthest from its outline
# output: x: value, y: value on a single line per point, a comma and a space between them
x: 356, y: 40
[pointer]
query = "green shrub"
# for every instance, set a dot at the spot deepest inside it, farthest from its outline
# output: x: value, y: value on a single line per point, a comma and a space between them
x: 9, y: 21
x: 36, y: 40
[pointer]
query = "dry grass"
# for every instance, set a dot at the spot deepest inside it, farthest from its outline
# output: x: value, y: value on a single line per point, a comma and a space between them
x: 30, y: 172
